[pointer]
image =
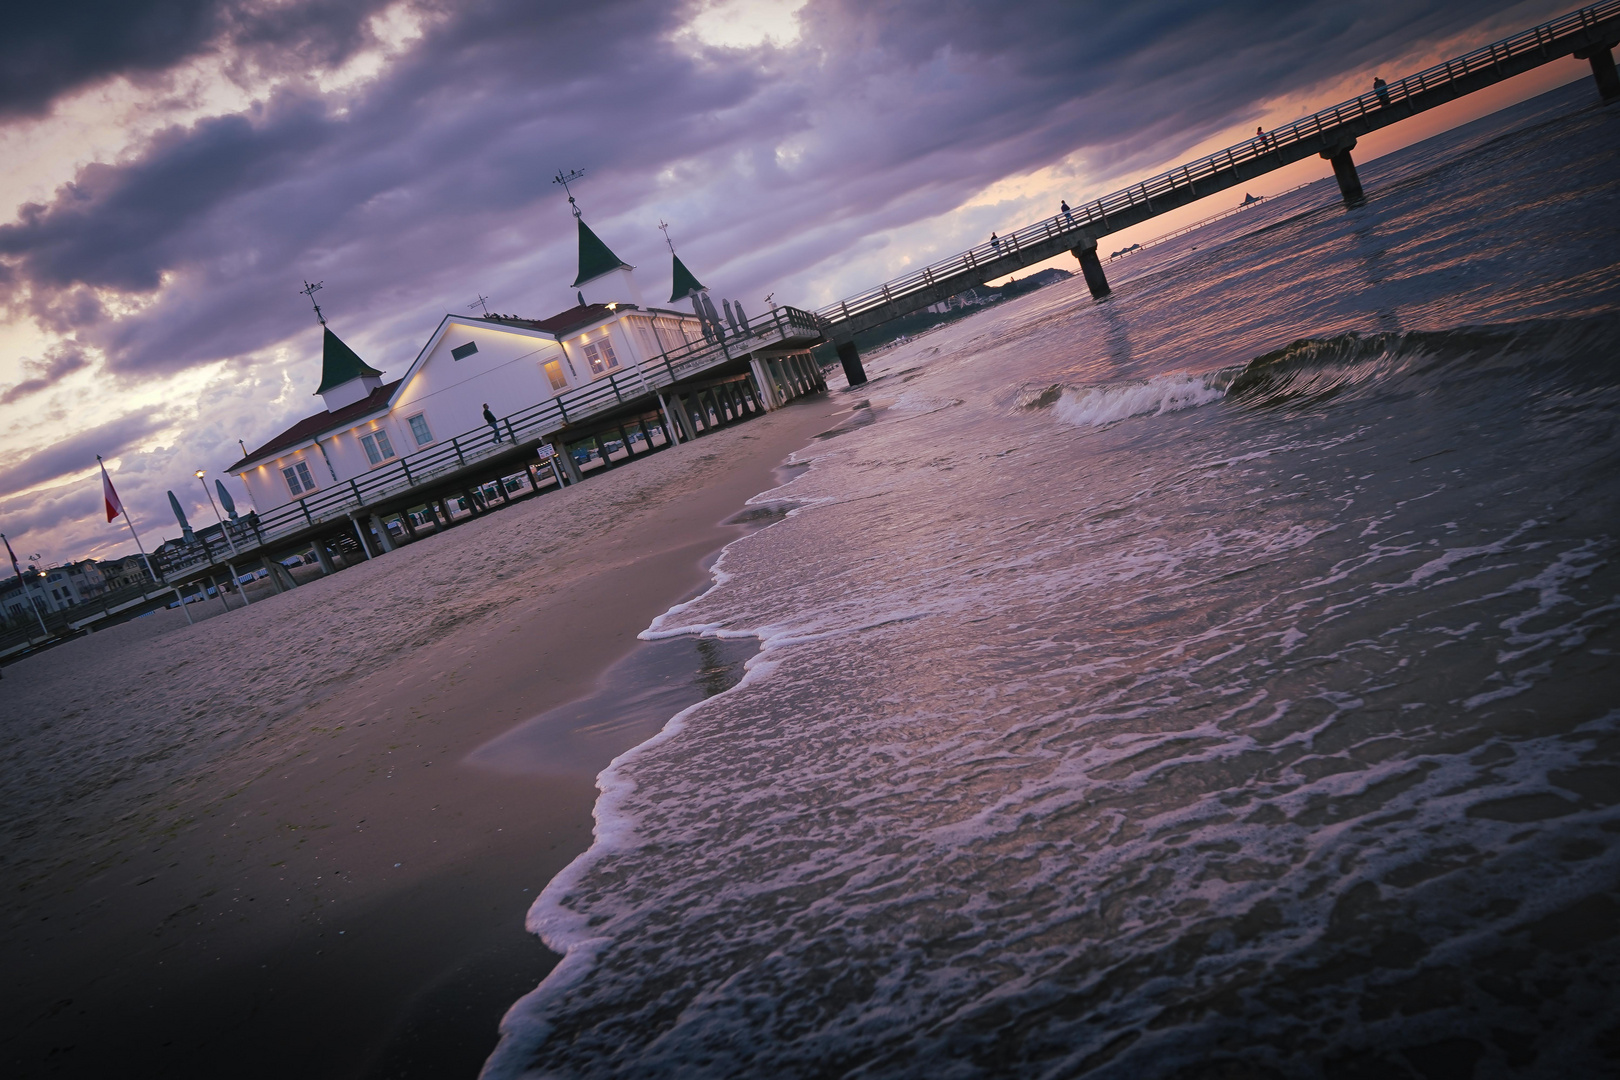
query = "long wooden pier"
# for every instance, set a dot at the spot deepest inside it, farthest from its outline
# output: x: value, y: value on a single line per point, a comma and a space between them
x: 1589, y: 33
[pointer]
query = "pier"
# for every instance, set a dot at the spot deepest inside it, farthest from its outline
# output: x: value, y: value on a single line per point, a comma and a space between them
x: 1590, y: 33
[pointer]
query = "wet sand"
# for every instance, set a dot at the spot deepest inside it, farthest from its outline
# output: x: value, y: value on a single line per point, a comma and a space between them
x: 253, y: 847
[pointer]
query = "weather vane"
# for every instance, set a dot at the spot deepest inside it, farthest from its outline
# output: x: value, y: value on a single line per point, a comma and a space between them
x: 309, y: 291
x: 481, y: 302
x: 664, y: 225
x: 573, y: 174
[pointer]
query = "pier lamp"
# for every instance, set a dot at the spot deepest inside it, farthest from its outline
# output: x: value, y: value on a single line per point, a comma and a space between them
x: 200, y: 474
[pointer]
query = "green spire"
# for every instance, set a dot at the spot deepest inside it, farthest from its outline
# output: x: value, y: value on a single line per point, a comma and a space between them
x: 339, y: 363
x: 595, y: 258
x: 685, y: 283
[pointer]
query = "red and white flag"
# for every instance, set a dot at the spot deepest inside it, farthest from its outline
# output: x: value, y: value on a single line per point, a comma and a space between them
x: 114, y: 507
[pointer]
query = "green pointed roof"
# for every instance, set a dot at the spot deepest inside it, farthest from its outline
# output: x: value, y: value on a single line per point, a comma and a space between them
x: 685, y: 283
x: 595, y: 258
x: 339, y: 363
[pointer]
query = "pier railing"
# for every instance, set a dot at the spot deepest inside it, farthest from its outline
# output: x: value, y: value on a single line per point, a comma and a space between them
x: 1284, y: 145
x: 784, y: 327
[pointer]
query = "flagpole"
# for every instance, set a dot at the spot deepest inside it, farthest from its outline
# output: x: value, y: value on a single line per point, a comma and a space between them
x: 125, y: 511
x: 24, y: 585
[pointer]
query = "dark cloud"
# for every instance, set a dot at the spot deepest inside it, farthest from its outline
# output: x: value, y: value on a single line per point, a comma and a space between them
x: 61, y: 360
x: 78, y: 451
x: 51, y: 49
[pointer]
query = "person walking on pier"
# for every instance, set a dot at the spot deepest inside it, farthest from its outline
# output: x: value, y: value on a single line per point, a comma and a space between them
x: 1260, y: 133
x: 995, y: 242
x: 489, y: 418
x: 1381, y: 88
x: 1063, y: 206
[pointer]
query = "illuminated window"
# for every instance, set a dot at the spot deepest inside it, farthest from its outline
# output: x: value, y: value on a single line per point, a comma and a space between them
x: 554, y: 373
x: 599, y: 355
x: 419, y: 430
x: 298, y: 478
x: 377, y: 447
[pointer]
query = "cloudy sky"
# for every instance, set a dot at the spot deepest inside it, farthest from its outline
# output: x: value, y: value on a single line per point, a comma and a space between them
x: 173, y: 170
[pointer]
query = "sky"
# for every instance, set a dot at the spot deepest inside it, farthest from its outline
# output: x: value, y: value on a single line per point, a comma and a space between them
x: 174, y: 170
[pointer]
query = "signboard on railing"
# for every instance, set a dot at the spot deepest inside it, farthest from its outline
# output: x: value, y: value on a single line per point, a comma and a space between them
x: 547, y: 451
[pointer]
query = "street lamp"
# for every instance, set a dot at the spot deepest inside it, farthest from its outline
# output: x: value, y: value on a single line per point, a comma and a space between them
x: 199, y: 474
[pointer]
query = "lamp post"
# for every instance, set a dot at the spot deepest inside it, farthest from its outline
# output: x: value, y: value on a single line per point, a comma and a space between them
x: 199, y: 474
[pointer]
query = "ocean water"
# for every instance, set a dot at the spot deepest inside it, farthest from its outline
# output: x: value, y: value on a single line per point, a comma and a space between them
x: 1217, y: 681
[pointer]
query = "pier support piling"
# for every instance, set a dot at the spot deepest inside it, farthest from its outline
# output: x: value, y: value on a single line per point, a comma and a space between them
x: 1601, y: 57
x: 270, y: 572
x: 1091, y: 266
x: 360, y: 535
x: 762, y: 386
x: 850, y: 357
x: 384, y: 541
x: 236, y: 580
x: 324, y: 557
x: 1344, y: 171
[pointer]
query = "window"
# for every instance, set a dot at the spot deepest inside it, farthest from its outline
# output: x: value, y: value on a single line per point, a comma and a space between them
x: 377, y: 447
x: 599, y: 355
x: 298, y: 478
x: 419, y: 430
x: 554, y: 373
x: 461, y: 352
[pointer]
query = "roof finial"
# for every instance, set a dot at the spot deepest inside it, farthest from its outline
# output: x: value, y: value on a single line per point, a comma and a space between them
x: 309, y: 291
x: 664, y: 225
x: 481, y: 302
x: 573, y: 174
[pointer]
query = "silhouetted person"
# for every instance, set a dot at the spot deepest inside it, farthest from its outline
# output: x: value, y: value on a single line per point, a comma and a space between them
x: 489, y: 418
x: 1260, y: 133
x: 1381, y: 88
x: 995, y: 242
x: 1064, y: 206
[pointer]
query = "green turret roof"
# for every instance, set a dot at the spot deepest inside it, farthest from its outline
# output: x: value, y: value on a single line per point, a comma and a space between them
x: 685, y: 283
x: 595, y: 258
x: 339, y: 363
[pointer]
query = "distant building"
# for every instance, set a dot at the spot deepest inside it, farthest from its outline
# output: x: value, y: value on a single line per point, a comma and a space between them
x: 122, y: 573
x: 73, y: 584
x: 15, y: 603
x: 511, y: 363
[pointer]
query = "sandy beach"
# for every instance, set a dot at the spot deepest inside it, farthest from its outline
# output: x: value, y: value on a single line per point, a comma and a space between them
x: 251, y: 847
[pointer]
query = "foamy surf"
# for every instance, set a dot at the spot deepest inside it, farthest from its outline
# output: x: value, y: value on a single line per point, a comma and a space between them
x: 1098, y: 406
x: 1272, y: 743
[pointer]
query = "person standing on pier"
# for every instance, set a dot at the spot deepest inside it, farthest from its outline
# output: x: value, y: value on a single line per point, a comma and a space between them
x: 1063, y: 207
x: 489, y: 418
x: 1260, y: 133
x: 1381, y: 88
x: 995, y: 242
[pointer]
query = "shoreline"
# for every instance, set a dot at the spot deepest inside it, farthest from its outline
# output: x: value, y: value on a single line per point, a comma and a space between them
x: 339, y: 893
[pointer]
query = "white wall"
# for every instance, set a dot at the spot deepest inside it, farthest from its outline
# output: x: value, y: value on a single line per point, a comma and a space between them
x: 507, y: 371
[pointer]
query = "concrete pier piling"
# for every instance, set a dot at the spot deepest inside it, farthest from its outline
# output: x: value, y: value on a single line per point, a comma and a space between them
x: 1091, y: 266
x: 850, y: 357
x: 1344, y: 171
x: 1601, y: 57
